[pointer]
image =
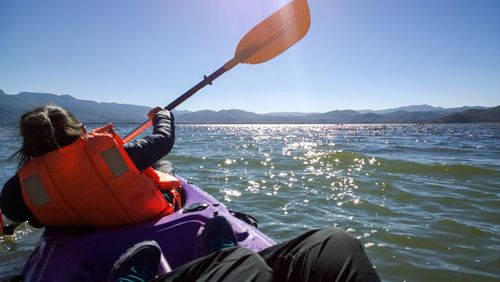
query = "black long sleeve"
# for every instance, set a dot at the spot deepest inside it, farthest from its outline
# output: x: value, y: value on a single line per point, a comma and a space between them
x: 12, y: 203
x: 147, y: 151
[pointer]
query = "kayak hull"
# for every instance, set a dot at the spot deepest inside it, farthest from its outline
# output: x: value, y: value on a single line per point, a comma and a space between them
x: 69, y: 255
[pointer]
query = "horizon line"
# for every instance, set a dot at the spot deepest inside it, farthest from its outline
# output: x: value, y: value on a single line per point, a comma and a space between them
x: 273, y: 112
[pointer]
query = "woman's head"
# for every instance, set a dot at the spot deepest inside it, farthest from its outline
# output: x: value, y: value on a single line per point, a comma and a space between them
x: 46, y: 129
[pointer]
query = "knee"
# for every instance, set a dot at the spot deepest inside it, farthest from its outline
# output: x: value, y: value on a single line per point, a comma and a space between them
x: 341, y: 234
x: 164, y: 166
x: 338, y: 238
x: 335, y: 232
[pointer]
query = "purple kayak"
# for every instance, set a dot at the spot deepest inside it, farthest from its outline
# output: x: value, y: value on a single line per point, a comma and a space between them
x: 68, y: 255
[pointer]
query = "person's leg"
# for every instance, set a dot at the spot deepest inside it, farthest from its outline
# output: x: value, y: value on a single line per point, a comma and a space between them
x: 320, y: 255
x: 167, y: 167
x: 164, y: 166
x: 231, y: 264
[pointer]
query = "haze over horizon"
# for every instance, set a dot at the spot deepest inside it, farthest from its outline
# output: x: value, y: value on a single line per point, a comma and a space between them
x: 357, y: 55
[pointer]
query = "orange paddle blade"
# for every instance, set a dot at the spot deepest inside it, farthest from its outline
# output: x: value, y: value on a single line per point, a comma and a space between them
x: 275, y: 34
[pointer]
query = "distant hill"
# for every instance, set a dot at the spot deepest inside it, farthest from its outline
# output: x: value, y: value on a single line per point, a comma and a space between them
x: 224, y: 116
x: 345, y: 116
x: 13, y: 106
x: 470, y: 116
x: 421, y: 108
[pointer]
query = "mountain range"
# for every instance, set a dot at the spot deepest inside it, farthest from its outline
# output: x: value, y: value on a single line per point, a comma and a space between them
x: 13, y: 106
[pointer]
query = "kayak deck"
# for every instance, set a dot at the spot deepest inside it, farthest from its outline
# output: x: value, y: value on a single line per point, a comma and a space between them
x: 68, y: 255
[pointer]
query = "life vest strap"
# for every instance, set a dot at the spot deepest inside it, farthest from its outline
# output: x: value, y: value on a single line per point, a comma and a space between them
x: 167, y: 183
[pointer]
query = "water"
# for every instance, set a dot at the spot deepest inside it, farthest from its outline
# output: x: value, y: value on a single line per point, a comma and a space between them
x: 422, y: 199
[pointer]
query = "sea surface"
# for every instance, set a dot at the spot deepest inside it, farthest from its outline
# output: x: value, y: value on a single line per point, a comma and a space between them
x: 424, y: 200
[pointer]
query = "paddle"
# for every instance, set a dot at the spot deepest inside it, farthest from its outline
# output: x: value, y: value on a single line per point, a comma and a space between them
x: 265, y: 41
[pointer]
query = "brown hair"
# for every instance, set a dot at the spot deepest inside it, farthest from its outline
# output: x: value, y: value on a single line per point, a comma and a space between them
x: 46, y: 129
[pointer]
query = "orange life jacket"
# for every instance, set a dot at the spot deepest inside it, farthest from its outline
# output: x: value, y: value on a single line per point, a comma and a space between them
x: 93, y: 182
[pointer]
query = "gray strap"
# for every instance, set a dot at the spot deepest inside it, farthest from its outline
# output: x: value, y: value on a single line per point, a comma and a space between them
x: 115, y: 161
x: 34, y: 187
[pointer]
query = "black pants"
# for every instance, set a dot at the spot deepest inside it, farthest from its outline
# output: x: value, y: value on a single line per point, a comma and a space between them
x: 319, y: 255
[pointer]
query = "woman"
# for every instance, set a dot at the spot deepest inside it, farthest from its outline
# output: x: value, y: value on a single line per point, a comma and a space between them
x: 68, y: 177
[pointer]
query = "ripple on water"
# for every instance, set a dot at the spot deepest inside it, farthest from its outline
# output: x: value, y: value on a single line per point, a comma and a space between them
x: 422, y: 199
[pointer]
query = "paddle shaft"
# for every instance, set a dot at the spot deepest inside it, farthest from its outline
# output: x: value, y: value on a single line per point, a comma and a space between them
x: 206, y: 81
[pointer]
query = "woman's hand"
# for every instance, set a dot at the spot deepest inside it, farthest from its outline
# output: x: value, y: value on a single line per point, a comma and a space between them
x: 153, y: 112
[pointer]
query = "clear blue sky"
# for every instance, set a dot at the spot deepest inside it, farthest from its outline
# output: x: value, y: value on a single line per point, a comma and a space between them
x: 358, y: 54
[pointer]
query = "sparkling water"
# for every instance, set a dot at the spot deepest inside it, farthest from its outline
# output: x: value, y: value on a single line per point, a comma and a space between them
x: 422, y: 199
